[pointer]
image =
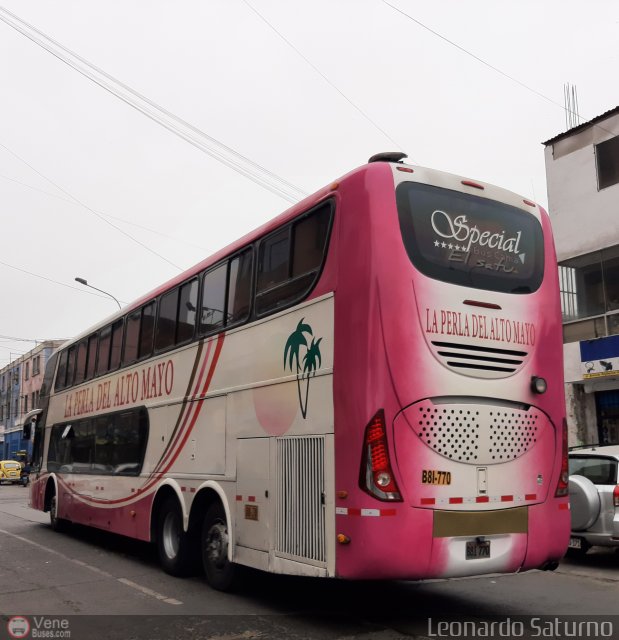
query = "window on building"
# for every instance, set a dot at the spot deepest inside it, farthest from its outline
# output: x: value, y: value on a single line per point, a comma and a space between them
x: 27, y: 371
x: 589, y: 287
x: 25, y: 404
x: 607, y: 157
x: 36, y: 365
x: 610, y: 264
x: 567, y: 287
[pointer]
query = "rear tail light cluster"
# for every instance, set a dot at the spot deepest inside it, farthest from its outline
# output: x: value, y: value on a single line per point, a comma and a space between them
x: 376, y: 477
x: 616, y: 496
x: 564, y: 477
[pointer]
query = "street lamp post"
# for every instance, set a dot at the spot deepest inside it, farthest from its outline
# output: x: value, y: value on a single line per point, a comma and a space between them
x: 85, y: 283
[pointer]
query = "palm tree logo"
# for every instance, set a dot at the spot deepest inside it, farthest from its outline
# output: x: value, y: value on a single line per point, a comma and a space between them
x: 311, y: 360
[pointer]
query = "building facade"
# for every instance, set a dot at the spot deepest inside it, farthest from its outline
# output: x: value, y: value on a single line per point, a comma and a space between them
x: 582, y: 173
x: 20, y: 387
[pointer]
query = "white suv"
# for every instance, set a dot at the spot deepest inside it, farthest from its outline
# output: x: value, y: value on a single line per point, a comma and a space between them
x: 594, y: 497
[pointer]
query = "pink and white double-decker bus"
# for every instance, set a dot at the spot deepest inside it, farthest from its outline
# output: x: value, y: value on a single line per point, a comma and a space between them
x: 368, y: 386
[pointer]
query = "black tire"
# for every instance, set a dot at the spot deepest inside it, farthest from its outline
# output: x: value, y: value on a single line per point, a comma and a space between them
x: 56, y: 523
x: 221, y: 574
x: 177, y: 548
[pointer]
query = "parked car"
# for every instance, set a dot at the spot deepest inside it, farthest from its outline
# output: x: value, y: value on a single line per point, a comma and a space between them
x: 594, y: 497
x: 10, y: 471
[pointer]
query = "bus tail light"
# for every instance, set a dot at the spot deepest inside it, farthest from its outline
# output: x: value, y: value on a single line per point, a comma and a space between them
x: 616, y: 496
x: 376, y: 477
x: 564, y: 477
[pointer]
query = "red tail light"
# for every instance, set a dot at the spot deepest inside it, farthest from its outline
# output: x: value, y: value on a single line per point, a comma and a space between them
x: 616, y: 496
x: 376, y: 477
x: 564, y: 477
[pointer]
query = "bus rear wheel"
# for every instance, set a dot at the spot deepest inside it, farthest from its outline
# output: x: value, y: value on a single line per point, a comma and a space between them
x: 57, y: 524
x: 221, y: 574
x: 174, y: 545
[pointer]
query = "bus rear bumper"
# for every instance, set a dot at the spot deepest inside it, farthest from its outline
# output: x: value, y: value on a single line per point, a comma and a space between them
x: 432, y: 543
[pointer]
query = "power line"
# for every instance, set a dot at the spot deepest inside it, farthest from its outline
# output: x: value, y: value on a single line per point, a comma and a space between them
x: 321, y: 74
x: 472, y: 55
x: 98, y: 215
x: 62, y: 284
x: 106, y: 215
x: 188, y: 132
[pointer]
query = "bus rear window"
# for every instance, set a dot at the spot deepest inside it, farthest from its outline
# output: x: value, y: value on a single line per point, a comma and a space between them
x: 595, y: 468
x: 470, y: 241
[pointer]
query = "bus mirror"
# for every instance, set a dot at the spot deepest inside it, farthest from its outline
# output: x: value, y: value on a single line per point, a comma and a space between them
x: 27, y: 431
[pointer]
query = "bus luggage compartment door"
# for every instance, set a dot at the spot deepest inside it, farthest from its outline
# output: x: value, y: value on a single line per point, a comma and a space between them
x: 252, y: 504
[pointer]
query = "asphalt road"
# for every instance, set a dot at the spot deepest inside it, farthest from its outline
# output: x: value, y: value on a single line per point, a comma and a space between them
x: 110, y: 587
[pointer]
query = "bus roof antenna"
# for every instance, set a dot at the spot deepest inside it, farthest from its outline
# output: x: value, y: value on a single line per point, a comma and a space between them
x: 388, y: 156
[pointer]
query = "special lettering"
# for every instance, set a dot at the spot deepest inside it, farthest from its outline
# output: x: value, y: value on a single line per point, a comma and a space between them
x: 459, y: 230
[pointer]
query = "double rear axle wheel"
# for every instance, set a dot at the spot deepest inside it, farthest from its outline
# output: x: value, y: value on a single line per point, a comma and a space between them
x: 180, y: 551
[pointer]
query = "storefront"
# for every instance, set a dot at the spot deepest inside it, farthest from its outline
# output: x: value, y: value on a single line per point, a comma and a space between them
x: 599, y: 380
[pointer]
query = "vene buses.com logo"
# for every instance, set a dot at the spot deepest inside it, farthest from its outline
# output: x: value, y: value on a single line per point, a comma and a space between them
x: 18, y: 627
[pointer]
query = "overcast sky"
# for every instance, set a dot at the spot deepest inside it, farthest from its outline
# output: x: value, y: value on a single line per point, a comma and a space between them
x: 307, y: 90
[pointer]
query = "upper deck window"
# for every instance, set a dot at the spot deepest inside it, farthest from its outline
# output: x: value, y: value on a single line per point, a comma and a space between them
x: 471, y: 241
x: 290, y: 259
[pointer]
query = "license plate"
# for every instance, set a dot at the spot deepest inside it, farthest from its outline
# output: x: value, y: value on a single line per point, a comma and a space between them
x: 476, y: 549
x: 575, y: 543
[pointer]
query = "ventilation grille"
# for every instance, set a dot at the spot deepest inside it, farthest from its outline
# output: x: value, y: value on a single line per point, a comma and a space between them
x: 300, y: 490
x: 477, y: 434
x: 487, y: 362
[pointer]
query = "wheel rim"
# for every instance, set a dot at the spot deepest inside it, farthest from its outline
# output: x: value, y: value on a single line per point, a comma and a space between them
x: 53, y: 510
x: 217, y: 545
x: 171, y: 535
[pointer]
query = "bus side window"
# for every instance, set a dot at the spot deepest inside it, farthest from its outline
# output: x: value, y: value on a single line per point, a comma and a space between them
x: 287, y: 270
x: 80, y: 371
x: 147, y: 330
x: 213, y: 299
x: 93, y: 342
x: 239, y: 287
x: 71, y: 365
x: 132, y: 335
x: 165, y: 334
x: 103, y: 356
x: 274, y: 265
x: 187, y: 308
x: 116, y: 345
x: 310, y: 237
x: 62, y: 371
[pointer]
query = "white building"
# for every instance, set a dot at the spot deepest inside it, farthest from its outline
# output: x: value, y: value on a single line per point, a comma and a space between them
x: 582, y: 172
